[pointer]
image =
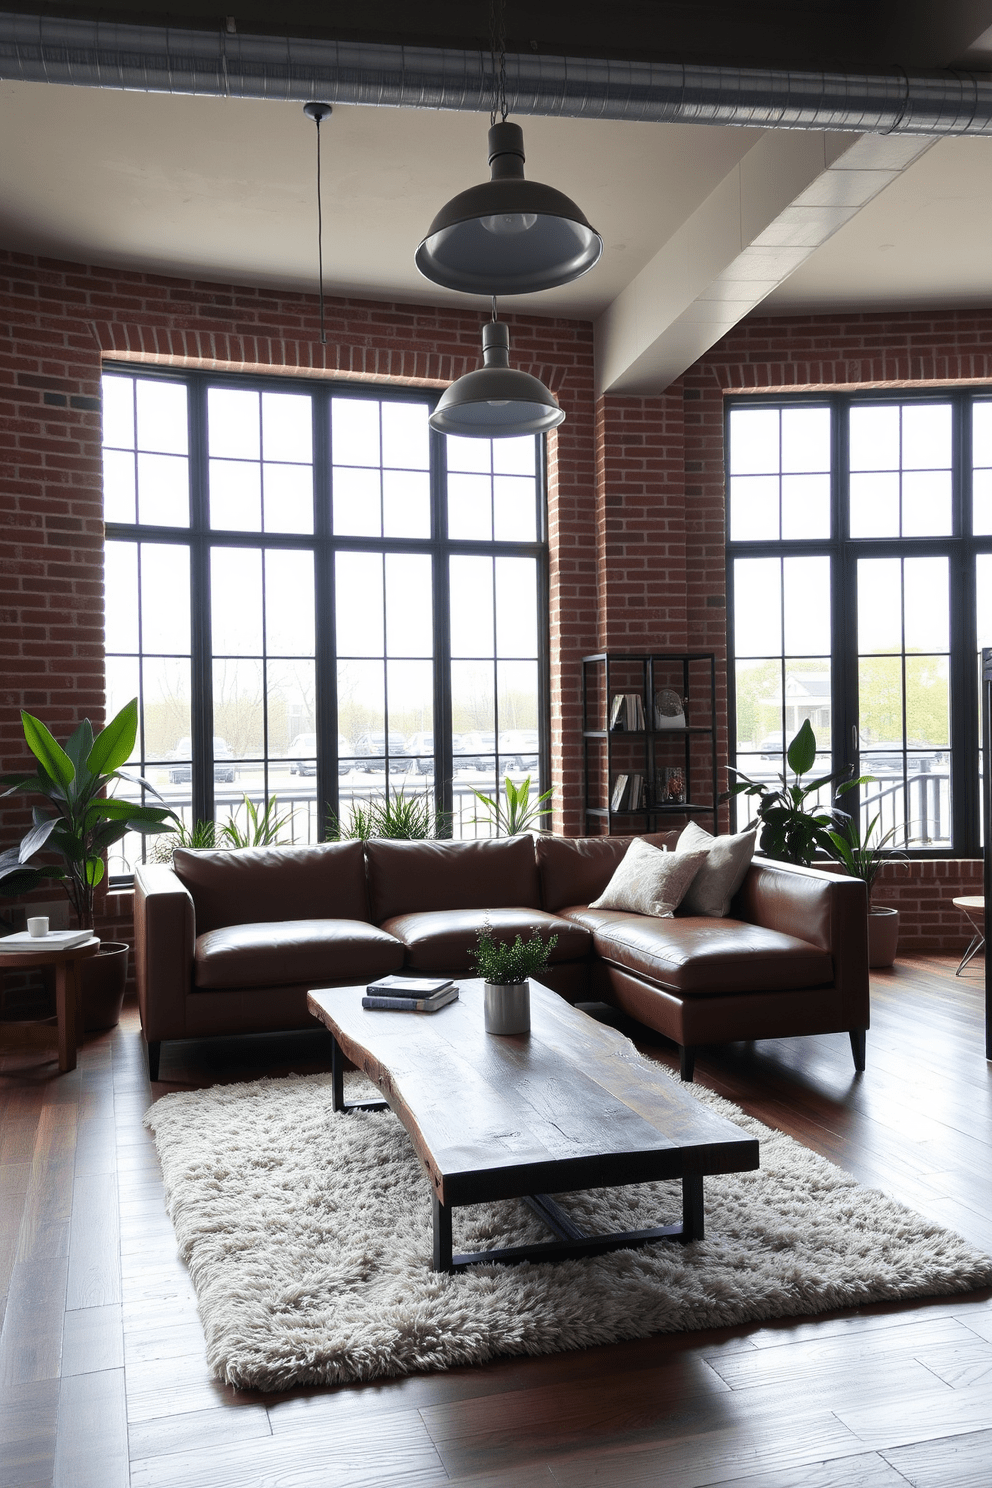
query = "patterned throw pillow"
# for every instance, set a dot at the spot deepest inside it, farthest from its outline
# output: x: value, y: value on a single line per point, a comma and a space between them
x: 649, y: 881
x: 727, y: 860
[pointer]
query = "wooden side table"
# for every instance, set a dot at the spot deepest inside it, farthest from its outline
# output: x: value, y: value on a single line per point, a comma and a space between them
x: 67, y: 996
x: 973, y: 907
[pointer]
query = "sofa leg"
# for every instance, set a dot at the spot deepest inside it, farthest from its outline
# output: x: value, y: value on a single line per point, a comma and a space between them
x: 858, y: 1047
x: 687, y: 1062
x: 154, y: 1053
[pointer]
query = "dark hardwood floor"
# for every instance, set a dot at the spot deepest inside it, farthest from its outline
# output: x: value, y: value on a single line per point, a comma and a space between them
x: 102, y: 1370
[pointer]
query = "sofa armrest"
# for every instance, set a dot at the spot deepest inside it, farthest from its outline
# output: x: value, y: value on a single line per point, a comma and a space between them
x: 829, y: 910
x: 164, y: 936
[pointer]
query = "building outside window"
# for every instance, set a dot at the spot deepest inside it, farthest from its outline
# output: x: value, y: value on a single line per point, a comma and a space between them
x: 859, y: 546
x: 318, y: 601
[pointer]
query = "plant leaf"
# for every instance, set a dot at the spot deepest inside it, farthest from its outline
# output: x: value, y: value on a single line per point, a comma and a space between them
x: 112, y: 747
x: 802, y: 751
x: 37, y: 837
x: 52, y: 758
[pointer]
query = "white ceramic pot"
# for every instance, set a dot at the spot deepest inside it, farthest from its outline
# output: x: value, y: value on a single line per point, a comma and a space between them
x: 508, y: 1007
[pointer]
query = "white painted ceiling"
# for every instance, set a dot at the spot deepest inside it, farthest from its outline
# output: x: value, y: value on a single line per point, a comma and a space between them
x: 224, y: 189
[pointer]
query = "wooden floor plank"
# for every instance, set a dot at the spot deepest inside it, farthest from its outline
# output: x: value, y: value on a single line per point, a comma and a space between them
x: 91, y: 1451
x: 94, y: 1265
x: 31, y: 1341
x: 947, y: 1462
x: 93, y: 1340
x: 48, y: 1202
x: 196, y: 1430
x: 28, y: 1423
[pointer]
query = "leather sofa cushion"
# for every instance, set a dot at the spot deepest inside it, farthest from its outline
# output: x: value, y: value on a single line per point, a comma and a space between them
x: 286, y: 952
x: 703, y: 956
x: 442, y: 941
x: 412, y: 877
x: 249, y: 885
x: 576, y: 870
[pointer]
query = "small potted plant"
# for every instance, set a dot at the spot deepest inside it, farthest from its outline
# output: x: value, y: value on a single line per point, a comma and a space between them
x: 862, y: 857
x: 519, y: 814
x: 505, y: 968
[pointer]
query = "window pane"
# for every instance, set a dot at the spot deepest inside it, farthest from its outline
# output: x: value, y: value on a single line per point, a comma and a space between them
x: 754, y: 508
x: 927, y: 700
x: 874, y: 506
x: 926, y: 436
x: 289, y: 602
x: 758, y: 708
x: 983, y: 589
x: 163, y: 490
x: 406, y: 503
x: 119, y: 486
x: 805, y: 439
x: 118, y: 411
x: 472, y: 628
x: 161, y: 417
x: 410, y: 696
x: 355, y: 431
x: 362, y: 706
x: 805, y: 506
x: 121, y: 598
x: 514, y: 509
x: 239, y: 714
x: 880, y: 705
x: 123, y: 684
x: 879, y: 604
x: 926, y: 604
x: 233, y: 423
x: 754, y: 441
x: 287, y: 427
x: 166, y: 711
x: 409, y: 613
x: 236, y: 601
x: 288, y: 498
x: 473, y: 709
x: 758, y: 607
x: 470, y: 454
x: 470, y: 511
x: 874, y: 437
x: 516, y: 683
x: 235, y: 496
x: 165, y: 603
x: 806, y: 599
x: 514, y: 456
x: 358, y: 604
x: 982, y: 502
x: 357, y: 503
x: 290, y: 703
x: 981, y: 432
x: 926, y: 504
x: 405, y: 436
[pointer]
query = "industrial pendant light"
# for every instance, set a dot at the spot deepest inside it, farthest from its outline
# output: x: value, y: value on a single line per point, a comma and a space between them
x: 318, y: 112
x: 496, y: 402
x: 509, y: 235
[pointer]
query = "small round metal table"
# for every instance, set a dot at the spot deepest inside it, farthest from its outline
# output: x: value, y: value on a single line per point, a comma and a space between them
x: 972, y: 905
x: 67, y: 995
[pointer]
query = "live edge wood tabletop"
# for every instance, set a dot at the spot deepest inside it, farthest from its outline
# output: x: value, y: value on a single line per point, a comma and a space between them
x: 570, y: 1105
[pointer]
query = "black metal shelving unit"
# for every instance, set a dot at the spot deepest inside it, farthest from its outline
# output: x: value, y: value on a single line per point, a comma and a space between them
x: 692, y: 676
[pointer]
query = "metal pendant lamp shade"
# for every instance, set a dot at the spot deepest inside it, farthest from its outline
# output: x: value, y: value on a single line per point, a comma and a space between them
x: 496, y: 402
x: 509, y: 235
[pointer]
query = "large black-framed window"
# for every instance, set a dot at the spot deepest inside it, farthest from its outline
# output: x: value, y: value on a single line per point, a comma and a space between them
x: 859, y: 559
x: 317, y: 599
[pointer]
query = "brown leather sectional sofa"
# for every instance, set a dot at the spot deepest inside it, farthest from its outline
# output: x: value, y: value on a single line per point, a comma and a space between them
x: 232, y: 941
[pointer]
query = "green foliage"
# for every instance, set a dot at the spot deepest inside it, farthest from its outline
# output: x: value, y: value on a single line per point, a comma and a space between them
x: 861, y: 856
x: 791, y: 830
x: 262, y: 829
x: 85, y: 821
x: 500, y: 962
x: 397, y: 815
x: 200, y: 834
x: 517, y: 815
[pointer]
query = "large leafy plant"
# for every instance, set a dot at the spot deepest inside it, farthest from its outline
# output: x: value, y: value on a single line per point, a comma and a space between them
x: 394, y: 815
x: 83, y: 821
x: 794, y: 825
x: 862, y: 856
x: 517, y: 814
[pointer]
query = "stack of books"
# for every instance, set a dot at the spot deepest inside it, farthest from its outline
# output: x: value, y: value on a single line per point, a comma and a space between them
x: 55, y: 940
x: 628, y: 793
x: 627, y: 712
x: 401, y: 994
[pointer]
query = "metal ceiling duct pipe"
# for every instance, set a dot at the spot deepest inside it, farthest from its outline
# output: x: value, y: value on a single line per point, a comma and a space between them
x: 100, y: 54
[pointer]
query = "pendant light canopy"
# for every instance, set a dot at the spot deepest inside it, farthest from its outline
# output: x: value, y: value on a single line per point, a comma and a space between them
x: 496, y: 402
x: 509, y: 235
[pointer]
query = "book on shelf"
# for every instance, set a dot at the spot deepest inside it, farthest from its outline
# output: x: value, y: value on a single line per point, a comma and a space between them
x: 405, y: 986
x: 635, y: 712
x: 635, y: 793
x: 413, y: 1004
x: 627, y: 712
x: 619, y: 792
x: 55, y: 940
x: 617, y: 710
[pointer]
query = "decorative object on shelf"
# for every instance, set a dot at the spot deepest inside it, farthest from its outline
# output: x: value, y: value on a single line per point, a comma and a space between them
x: 318, y: 112
x: 505, y: 968
x: 671, y: 786
x: 495, y: 401
x: 518, y: 815
x: 508, y: 235
x: 669, y: 709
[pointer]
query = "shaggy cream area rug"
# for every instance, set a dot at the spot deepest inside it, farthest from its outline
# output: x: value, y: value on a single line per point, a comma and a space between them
x: 308, y: 1240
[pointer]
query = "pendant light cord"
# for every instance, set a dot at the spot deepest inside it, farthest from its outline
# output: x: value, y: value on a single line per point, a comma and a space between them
x: 497, y: 50
x: 495, y: 316
x: 320, y: 244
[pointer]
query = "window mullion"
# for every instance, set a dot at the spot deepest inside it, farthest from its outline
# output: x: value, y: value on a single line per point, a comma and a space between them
x: 201, y: 699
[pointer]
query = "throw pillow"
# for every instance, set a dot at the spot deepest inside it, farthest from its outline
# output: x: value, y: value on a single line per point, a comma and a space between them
x: 649, y: 881
x: 727, y: 860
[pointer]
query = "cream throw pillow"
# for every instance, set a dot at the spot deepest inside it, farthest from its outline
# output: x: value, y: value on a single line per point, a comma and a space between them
x: 649, y: 881
x: 727, y: 860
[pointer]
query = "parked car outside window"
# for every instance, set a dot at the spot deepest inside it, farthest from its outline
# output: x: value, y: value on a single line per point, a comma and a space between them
x: 518, y: 749
x: 304, y: 755
x: 371, y: 748
x: 420, y: 748
x: 181, y: 773
x: 475, y: 751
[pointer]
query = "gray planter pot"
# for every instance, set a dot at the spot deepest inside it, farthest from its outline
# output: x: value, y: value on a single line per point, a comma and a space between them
x: 508, y: 1007
x: 883, y: 936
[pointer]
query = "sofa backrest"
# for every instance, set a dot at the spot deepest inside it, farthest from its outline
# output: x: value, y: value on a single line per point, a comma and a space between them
x: 249, y: 885
x: 420, y: 876
x: 576, y: 870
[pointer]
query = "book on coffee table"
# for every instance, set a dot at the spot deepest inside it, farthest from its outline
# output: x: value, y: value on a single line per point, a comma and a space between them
x: 413, y: 1004
x: 55, y: 940
x: 406, y: 986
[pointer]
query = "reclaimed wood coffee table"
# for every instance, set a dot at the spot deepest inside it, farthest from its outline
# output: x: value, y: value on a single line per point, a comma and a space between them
x: 571, y: 1105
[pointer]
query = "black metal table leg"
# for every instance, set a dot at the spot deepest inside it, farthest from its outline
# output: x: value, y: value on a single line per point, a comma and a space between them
x: 442, y: 1259
x: 337, y: 1086
x: 692, y: 1208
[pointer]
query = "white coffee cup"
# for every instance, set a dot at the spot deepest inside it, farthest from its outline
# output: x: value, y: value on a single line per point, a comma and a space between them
x: 38, y: 926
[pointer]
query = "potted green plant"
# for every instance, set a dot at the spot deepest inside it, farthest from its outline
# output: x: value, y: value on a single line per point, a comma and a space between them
x: 794, y: 825
x: 517, y: 815
x: 396, y: 815
x: 82, y: 823
x: 505, y: 968
x: 862, y: 857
